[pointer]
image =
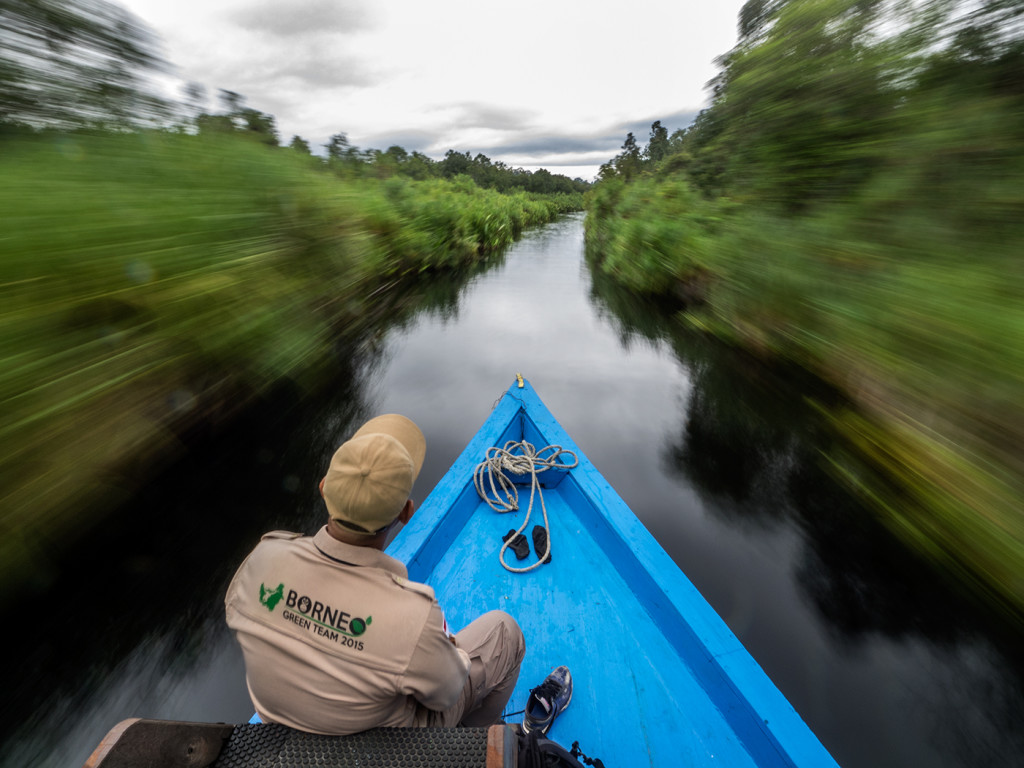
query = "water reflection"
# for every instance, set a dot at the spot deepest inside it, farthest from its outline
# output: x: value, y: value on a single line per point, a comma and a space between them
x: 138, y: 603
x: 763, y: 459
x: 130, y: 623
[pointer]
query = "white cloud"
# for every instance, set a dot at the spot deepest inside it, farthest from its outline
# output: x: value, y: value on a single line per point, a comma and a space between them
x: 301, y: 18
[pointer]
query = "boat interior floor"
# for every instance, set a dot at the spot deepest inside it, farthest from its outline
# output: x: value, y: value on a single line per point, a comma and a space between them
x: 646, y: 683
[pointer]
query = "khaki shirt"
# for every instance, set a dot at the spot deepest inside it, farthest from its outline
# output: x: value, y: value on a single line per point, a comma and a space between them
x: 336, y: 639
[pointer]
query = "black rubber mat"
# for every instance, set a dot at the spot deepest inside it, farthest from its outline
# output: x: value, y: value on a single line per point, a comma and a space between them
x: 275, y: 746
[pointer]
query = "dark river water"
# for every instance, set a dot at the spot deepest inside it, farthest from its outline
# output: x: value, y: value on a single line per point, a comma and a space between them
x: 719, y: 458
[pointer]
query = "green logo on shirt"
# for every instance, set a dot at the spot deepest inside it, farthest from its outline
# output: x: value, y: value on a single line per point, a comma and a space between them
x: 358, y: 626
x: 316, y: 617
x: 271, y: 598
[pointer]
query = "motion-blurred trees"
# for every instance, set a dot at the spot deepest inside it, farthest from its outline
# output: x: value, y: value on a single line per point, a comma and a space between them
x: 261, y: 125
x: 74, y: 63
x: 658, y: 145
x: 337, y: 147
x: 299, y: 144
x: 238, y: 118
x: 819, y: 98
x: 806, y: 94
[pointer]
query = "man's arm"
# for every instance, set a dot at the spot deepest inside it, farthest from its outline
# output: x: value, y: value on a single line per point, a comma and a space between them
x: 438, y: 670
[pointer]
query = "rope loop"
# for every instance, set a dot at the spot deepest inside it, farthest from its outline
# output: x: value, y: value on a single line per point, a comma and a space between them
x: 492, y: 482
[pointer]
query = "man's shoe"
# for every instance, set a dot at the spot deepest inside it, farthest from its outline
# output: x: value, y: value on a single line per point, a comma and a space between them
x: 547, y: 700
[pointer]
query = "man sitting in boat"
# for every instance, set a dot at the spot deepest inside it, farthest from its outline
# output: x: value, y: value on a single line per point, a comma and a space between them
x: 335, y: 637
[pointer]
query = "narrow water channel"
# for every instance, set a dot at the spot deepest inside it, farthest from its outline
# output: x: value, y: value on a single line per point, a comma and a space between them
x: 719, y: 459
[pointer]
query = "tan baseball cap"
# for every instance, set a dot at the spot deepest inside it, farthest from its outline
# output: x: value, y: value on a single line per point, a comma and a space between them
x: 371, y: 475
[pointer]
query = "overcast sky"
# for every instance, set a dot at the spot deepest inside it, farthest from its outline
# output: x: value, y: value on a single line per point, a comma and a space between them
x: 535, y: 83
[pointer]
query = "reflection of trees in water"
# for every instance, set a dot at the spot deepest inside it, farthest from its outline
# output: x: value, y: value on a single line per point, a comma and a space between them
x: 436, y: 293
x: 728, y: 451
x: 155, y: 572
x: 990, y: 707
x: 752, y: 445
x: 754, y: 442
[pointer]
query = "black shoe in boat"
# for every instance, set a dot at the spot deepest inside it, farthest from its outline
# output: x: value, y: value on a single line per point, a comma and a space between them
x: 547, y: 701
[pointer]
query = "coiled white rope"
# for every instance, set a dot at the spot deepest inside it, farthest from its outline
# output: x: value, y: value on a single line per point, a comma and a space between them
x: 491, y: 482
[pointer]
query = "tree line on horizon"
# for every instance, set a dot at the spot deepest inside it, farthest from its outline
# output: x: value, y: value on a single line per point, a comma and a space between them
x: 348, y: 159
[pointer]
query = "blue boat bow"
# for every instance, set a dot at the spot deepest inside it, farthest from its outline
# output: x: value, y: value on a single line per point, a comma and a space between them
x: 660, y: 679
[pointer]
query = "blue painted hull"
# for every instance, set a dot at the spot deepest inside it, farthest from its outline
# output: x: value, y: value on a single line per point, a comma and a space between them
x: 660, y: 679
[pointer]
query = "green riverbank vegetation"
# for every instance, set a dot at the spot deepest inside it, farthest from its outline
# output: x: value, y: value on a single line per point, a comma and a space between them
x: 159, y: 274
x: 149, y: 280
x: 852, y: 201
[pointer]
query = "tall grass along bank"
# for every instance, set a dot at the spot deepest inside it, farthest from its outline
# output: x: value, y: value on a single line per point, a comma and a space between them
x: 150, y: 282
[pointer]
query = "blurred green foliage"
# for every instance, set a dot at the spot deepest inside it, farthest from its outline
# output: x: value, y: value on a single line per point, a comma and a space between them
x: 152, y: 280
x: 852, y: 201
x: 69, y: 63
